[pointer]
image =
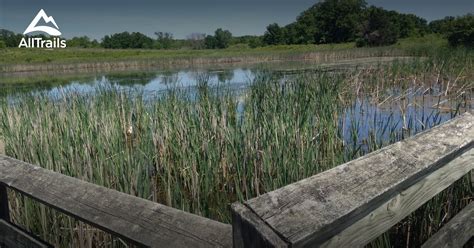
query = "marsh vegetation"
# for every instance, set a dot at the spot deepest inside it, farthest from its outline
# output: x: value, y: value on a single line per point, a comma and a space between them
x: 201, y: 148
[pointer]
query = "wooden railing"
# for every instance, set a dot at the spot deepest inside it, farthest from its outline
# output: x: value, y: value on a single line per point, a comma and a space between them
x: 350, y: 205
x: 133, y: 219
x: 347, y: 206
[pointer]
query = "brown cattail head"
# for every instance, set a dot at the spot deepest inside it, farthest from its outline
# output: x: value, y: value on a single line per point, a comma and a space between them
x: 130, y: 131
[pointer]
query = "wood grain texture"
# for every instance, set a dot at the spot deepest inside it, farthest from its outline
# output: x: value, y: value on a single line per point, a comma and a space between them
x: 457, y: 232
x: 134, y: 219
x: 13, y: 237
x: 309, y: 212
x: 245, y: 224
x: 404, y: 203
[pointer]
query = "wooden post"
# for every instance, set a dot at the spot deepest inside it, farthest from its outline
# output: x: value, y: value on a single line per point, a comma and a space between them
x: 4, y: 209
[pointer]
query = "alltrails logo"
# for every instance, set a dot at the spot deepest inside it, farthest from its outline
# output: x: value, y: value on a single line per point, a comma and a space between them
x: 32, y: 42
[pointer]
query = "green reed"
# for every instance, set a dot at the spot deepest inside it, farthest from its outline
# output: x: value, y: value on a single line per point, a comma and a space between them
x: 201, y: 149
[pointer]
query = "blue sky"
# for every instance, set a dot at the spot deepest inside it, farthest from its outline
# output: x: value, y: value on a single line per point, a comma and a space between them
x: 182, y: 17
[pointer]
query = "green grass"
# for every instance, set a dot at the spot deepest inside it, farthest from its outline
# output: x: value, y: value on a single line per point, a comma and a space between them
x: 199, y: 150
x: 14, y: 56
x: 193, y: 149
x: 73, y: 55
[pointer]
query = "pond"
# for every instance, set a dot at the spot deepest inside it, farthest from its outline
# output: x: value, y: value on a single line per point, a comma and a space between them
x: 198, y: 139
x: 153, y: 80
x: 405, y: 109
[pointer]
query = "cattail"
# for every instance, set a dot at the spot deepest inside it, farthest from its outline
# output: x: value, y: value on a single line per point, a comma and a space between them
x: 129, y: 137
x: 130, y: 131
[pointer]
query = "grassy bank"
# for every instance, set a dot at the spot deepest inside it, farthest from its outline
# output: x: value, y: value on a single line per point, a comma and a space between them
x: 201, y: 149
x: 18, y: 60
x: 75, y: 55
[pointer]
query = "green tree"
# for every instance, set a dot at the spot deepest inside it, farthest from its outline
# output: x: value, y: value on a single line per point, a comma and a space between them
x: 305, y: 28
x: 126, y: 40
x: 274, y: 35
x: 255, y: 42
x: 378, y: 29
x: 2, y: 44
x: 292, y: 36
x: 83, y: 42
x: 10, y: 38
x: 210, y: 42
x: 222, y: 38
x: 164, y: 40
x: 140, y: 40
x: 441, y: 26
x: 410, y: 25
x: 330, y: 21
x: 335, y: 21
x: 461, y: 31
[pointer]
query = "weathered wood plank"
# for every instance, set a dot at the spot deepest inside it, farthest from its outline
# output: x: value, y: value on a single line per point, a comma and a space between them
x: 4, y: 207
x: 132, y: 218
x: 469, y: 243
x: 245, y: 223
x: 309, y: 212
x: 457, y: 232
x: 13, y: 237
x: 404, y: 203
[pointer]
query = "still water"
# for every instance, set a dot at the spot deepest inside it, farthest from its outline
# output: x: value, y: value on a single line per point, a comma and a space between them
x: 409, y: 110
x: 154, y: 80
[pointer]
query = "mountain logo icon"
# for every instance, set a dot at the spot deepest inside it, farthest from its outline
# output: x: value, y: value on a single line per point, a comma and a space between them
x: 47, y: 29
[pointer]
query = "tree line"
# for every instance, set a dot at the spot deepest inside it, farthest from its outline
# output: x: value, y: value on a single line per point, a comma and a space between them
x: 329, y: 21
x: 337, y: 21
x: 136, y: 40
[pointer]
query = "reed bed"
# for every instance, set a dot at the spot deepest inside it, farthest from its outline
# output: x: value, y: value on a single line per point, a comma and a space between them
x: 200, y: 149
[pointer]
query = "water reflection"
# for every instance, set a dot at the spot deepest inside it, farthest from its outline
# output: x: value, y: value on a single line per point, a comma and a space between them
x: 153, y: 80
x: 148, y: 82
x: 363, y: 122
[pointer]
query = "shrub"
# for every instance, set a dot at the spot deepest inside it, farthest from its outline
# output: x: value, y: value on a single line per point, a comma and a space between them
x: 378, y: 30
x: 461, y: 31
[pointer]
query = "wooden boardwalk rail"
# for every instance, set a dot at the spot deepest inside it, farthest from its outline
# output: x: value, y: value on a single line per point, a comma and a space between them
x: 136, y: 220
x: 350, y: 205
x: 347, y: 206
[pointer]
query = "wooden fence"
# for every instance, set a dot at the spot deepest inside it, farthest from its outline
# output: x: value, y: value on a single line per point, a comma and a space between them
x: 133, y: 219
x: 347, y: 206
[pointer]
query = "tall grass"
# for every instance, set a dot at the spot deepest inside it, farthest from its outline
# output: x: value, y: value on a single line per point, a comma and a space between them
x: 92, y: 60
x: 203, y: 148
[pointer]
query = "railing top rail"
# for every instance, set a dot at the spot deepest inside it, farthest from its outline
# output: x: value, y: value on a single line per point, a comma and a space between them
x: 140, y: 221
x: 455, y: 233
x: 309, y: 212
